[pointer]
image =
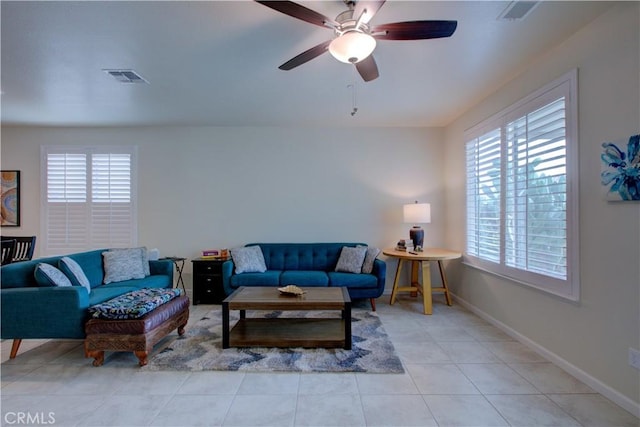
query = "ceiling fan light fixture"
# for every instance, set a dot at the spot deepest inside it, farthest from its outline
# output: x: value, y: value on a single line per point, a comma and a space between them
x: 352, y: 47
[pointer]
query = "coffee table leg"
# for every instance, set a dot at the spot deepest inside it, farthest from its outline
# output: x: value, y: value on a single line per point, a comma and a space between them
x: 225, y: 324
x: 347, y: 325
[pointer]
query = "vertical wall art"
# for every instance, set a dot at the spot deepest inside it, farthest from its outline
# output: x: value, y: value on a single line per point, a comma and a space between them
x: 621, y: 169
x: 10, y: 198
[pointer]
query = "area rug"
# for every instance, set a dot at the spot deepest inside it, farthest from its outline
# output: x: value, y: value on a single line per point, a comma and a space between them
x: 200, y: 349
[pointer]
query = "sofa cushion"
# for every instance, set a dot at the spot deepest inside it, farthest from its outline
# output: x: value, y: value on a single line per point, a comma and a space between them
x: 248, y: 260
x: 133, y: 305
x: 123, y: 264
x: 105, y: 293
x: 48, y: 275
x: 353, y: 281
x: 268, y: 278
x: 304, y: 278
x: 74, y: 272
x: 369, y: 258
x: 351, y: 259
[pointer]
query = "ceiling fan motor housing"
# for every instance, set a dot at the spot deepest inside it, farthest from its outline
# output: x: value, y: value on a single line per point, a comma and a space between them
x: 353, y: 41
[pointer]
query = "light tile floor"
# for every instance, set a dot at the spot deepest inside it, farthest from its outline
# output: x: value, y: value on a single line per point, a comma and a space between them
x: 460, y: 371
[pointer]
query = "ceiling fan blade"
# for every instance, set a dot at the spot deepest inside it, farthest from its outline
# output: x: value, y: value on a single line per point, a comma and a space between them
x: 372, y: 8
x: 367, y: 69
x: 306, y: 56
x: 298, y: 11
x: 414, y: 30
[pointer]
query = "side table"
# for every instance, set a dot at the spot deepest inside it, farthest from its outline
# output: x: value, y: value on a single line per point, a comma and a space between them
x: 423, y: 259
x: 207, y: 281
x: 179, y: 263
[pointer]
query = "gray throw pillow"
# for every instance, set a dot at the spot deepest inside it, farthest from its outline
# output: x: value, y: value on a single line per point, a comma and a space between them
x: 122, y: 264
x: 369, y: 258
x: 47, y: 275
x: 74, y: 272
x: 351, y: 259
x: 248, y: 259
x: 145, y: 258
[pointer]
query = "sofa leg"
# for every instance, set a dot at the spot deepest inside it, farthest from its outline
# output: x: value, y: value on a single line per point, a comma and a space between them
x: 14, y: 348
x: 373, y: 304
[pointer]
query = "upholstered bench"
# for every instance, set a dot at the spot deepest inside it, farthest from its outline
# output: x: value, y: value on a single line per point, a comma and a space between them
x: 135, y: 322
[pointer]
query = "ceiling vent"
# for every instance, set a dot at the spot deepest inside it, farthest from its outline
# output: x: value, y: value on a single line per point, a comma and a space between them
x: 517, y: 10
x: 126, y: 76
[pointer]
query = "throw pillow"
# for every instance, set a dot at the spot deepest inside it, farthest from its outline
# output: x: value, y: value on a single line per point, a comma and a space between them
x: 74, y: 272
x: 122, y: 264
x: 369, y: 258
x: 145, y: 258
x: 248, y: 259
x: 351, y: 259
x: 48, y: 275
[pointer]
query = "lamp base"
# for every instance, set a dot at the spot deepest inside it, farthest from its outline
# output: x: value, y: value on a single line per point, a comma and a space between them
x: 417, y: 235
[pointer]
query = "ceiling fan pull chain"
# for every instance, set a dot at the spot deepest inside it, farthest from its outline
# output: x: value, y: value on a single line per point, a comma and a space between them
x: 354, y: 100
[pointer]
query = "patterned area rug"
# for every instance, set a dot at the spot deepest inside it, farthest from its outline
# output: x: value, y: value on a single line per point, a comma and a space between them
x: 200, y: 349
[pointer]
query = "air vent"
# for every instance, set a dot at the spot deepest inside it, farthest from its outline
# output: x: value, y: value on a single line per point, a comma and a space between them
x: 126, y: 76
x: 517, y: 10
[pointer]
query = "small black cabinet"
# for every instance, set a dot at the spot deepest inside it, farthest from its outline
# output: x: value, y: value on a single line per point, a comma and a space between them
x: 207, y: 281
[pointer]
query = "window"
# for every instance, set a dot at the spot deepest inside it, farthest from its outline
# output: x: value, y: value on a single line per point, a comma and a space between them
x: 89, y: 200
x: 521, y: 175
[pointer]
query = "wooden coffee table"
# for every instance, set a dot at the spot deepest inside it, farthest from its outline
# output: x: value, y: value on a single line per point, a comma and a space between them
x: 287, y: 331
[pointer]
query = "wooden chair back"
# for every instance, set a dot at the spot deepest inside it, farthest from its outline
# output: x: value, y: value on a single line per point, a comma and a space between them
x: 8, y: 250
x: 24, y: 247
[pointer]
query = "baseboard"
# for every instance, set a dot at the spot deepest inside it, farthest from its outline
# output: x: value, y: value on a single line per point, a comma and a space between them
x: 597, y: 385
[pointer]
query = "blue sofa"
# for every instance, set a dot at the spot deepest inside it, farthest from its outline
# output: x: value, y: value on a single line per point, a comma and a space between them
x: 307, y: 264
x: 32, y: 311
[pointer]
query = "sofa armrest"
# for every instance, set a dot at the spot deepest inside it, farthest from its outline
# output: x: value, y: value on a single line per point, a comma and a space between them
x: 44, y: 312
x: 162, y: 267
x: 380, y: 271
x: 227, y: 271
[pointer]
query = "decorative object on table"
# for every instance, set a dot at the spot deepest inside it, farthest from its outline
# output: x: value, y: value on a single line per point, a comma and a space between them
x: 621, y: 169
x: 291, y: 290
x: 215, y: 254
x: 417, y: 213
x: 404, y: 245
x: 25, y: 246
x: 200, y: 349
x: 10, y: 198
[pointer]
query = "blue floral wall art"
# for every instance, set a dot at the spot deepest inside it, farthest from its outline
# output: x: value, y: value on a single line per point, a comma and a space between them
x: 621, y: 169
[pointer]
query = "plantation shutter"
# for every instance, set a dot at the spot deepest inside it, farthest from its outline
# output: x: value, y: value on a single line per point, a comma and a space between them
x: 483, y: 196
x: 89, y: 200
x: 111, y: 207
x: 536, y: 204
x: 66, y: 219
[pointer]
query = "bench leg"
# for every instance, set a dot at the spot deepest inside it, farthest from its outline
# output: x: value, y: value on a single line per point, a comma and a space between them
x: 98, y: 356
x: 142, y: 357
x: 14, y: 348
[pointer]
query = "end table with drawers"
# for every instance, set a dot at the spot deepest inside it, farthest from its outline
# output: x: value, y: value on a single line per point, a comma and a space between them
x: 207, y: 281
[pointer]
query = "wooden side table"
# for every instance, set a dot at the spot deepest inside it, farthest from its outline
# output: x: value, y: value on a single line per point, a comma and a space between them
x: 179, y: 263
x: 421, y: 259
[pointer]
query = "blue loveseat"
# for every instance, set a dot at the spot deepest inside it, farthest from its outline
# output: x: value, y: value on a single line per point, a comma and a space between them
x: 33, y: 311
x: 307, y: 264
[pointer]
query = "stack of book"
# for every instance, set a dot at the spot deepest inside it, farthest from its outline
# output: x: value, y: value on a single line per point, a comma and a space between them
x: 215, y: 254
x: 405, y: 245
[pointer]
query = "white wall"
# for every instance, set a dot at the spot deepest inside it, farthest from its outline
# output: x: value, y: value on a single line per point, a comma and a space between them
x: 212, y: 187
x: 592, y: 336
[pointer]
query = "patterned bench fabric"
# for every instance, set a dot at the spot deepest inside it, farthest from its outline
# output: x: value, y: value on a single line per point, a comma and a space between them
x: 133, y: 305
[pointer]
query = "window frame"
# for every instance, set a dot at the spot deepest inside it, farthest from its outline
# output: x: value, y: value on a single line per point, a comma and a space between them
x: 89, y: 152
x: 566, y: 86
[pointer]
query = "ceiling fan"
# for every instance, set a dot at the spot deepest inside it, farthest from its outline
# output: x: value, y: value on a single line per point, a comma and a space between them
x: 355, y: 39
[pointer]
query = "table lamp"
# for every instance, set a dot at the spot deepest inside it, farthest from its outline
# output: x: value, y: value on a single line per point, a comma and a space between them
x: 417, y: 213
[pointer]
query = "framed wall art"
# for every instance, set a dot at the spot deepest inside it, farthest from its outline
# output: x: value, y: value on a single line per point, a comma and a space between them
x: 621, y: 169
x: 10, y: 198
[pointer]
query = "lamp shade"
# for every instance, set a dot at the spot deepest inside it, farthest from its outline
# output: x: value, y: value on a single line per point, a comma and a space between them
x: 417, y: 213
x: 352, y: 47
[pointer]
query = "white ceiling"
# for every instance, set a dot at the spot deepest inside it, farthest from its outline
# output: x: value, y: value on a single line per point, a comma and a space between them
x: 216, y: 63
